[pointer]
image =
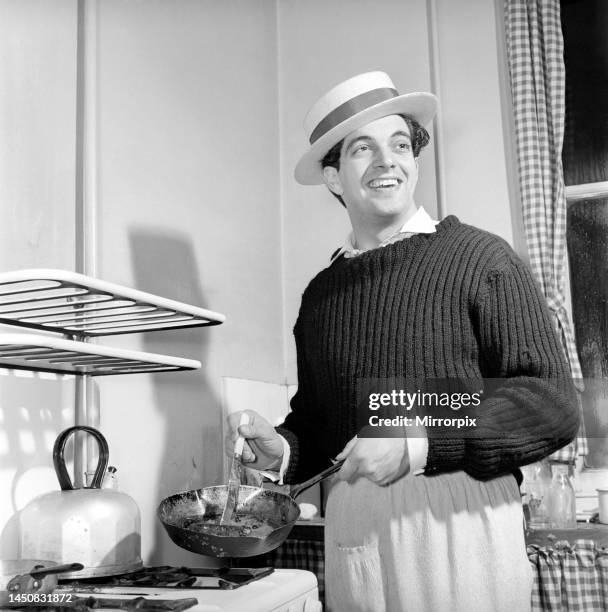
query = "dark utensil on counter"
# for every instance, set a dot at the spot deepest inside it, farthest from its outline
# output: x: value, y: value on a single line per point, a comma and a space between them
x: 192, y: 518
x: 40, y: 579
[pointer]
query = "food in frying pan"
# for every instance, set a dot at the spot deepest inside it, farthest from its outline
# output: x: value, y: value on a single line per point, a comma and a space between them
x: 240, y: 525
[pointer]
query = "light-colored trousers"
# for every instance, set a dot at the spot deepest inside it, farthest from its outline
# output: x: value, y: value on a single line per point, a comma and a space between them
x: 446, y: 543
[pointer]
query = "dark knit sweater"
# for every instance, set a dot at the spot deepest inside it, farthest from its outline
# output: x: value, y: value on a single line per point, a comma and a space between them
x: 455, y: 304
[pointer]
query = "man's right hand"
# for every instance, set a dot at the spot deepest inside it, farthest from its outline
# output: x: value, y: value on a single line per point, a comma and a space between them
x: 263, y: 448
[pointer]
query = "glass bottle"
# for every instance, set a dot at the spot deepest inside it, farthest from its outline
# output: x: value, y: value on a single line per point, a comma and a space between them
x: 561, y: 499
x: 537, y: 482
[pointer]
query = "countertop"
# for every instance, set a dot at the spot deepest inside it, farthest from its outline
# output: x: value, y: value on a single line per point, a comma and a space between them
x: 313, y: 531
x: 584, y: 531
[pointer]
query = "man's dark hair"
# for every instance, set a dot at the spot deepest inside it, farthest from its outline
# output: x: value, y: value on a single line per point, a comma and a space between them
x: 420, y: 138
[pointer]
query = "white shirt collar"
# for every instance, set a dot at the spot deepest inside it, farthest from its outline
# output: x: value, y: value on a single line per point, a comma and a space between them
x: 419, y: 223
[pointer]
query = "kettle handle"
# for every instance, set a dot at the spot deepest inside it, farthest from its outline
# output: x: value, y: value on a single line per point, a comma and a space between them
x: 59, y: 460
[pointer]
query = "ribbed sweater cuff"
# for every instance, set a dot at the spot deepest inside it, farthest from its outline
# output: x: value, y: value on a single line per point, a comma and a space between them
x: 445, y: 455
x: 294, y: 453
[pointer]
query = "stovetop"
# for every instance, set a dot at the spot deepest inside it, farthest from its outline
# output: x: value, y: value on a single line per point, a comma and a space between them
x: 283, y: 589
x: 166, y: 576
x: 150, y: 589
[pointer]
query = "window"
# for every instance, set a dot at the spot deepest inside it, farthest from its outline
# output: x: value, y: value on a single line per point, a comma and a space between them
x: 585, y: 160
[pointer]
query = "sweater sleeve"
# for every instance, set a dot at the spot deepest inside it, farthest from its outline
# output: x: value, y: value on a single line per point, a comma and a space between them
x: 529, y: 408
x: 302, y: 425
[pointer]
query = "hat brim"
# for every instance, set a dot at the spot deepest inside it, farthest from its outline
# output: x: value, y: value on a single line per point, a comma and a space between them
x: 421, y: 106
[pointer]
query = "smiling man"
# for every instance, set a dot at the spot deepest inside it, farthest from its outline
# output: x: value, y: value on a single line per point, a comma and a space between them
x: 428, y: 518
x: 376, y: 173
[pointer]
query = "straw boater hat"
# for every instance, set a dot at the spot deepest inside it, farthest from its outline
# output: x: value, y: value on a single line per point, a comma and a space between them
x: 349, y: 106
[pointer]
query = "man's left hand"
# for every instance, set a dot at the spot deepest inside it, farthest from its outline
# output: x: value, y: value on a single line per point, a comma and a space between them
x: 381, y: 460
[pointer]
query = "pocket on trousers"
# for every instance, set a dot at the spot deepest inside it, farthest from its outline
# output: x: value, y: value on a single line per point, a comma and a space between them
x: 353, y: 579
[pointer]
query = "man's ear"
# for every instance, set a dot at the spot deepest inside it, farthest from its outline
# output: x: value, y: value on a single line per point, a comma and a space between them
x: 332, y: 180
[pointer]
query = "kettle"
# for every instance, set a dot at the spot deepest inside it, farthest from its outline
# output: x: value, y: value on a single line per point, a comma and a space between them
x: 99, y: 528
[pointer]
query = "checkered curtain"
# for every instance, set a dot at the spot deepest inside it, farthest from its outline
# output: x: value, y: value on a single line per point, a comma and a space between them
x: 537, y: 73
x: 569, y: 577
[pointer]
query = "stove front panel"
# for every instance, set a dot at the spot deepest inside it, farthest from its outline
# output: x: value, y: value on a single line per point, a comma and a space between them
x: 284, y: 590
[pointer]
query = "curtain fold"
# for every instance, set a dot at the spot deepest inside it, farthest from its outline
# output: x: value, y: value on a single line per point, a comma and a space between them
x: 569, y: 577
x: 537, y: 76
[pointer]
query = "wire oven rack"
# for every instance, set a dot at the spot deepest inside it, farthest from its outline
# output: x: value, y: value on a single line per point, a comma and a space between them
x: 48, y: 354
x: 75, y: 304
x: 81, y: 307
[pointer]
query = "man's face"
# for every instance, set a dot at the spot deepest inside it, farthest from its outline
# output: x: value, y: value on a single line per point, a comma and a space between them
x: 378, y: 172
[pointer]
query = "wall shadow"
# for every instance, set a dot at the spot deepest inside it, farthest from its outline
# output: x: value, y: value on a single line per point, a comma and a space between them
x: 164, y: 263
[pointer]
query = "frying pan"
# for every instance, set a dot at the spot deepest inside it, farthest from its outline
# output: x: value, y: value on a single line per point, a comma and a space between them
x: 269, y: 516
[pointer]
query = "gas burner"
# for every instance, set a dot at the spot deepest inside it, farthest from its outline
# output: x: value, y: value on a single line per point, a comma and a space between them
x: 166, y: 576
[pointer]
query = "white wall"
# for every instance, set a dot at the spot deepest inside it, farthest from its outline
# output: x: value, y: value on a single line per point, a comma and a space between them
x: 37, y: 133
x: 467, y: 70
x: 186, y: 151
x: 37, y: 182
x: 188, y: 170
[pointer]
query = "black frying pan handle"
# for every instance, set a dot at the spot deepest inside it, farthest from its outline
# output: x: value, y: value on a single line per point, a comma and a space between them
x: 59, y: 461
x: 295, y: 490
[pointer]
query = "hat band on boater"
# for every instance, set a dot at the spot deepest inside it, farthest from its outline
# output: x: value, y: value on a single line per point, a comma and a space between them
x: 351, y: 107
